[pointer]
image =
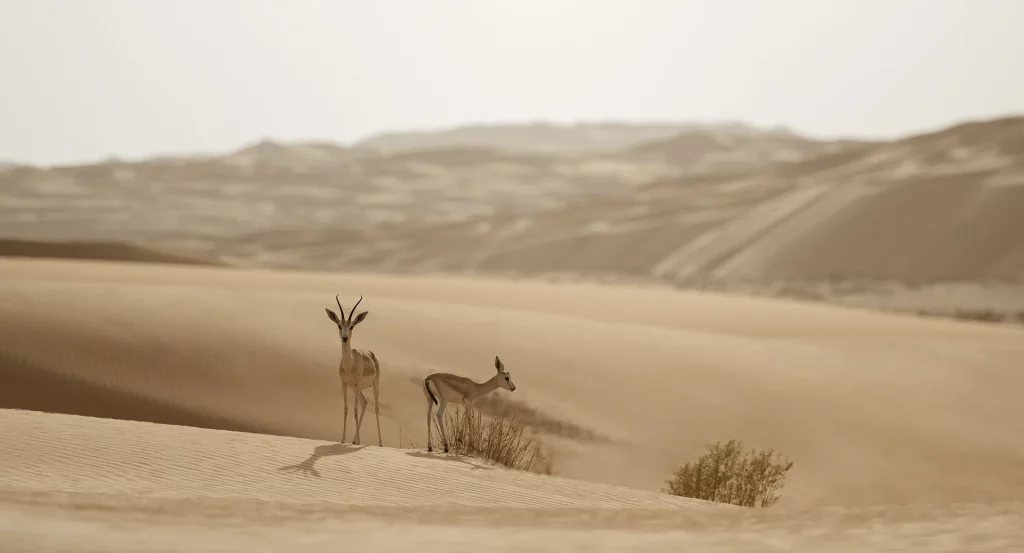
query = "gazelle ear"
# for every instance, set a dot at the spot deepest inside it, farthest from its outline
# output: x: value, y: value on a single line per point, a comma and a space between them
x: 498, y: 364
x: 332, y: 315
x: 359, y: 318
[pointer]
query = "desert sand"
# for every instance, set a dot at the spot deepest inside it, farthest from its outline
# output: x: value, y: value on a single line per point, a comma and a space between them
x: 81, y: 484
x: 906, y: 433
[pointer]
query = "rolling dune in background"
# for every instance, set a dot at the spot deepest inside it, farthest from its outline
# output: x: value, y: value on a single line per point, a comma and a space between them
x: 889, y: 224
x: 99, y: 251
x: 930, y: 209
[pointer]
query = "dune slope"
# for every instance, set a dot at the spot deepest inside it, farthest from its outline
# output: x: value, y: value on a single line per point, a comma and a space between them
x: 180, y: 462
x: 71, y: 483
x: 626, y: 382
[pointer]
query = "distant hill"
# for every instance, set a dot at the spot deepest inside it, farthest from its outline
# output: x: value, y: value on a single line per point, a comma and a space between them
x: 733, y: 148
x: 537, y: 138
x: 943, y: 206
x: 105, y: 251
x: 269, y: 187
x: 299, y: 156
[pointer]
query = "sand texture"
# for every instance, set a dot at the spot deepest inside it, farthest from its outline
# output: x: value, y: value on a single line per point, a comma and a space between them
x: 82, y: 484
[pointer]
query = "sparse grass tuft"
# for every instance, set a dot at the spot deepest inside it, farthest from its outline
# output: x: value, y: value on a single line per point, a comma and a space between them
x: 728, y: 475
x: 500, y: 439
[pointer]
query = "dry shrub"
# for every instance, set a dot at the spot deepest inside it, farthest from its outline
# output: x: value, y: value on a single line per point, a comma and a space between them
x: 502, y: 440
x: 728, y: 475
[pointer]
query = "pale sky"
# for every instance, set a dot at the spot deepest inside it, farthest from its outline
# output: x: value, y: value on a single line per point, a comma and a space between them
x: 87, y: 79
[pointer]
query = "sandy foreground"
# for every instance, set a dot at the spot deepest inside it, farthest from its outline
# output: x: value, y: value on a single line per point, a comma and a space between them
x: 907, y: 434
x: 71, y: 483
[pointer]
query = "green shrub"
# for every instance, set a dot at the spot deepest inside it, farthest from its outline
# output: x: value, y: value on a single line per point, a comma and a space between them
x: 728, y: 475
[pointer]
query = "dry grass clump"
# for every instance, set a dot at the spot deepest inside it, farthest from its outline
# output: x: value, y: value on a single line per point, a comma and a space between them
x: 500, y: 439
x: 728, y: 475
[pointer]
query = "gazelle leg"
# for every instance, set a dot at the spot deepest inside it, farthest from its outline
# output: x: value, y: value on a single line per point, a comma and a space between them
x: 361, y: 401
x: 344, y: 425
x: 440, y: 422
x: 430, y: 446
x: 376, y: 411
x: 361, y: 411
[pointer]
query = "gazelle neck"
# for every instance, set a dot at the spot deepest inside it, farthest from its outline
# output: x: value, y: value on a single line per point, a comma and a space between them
x: 487, y: 387
x: 346, y: 352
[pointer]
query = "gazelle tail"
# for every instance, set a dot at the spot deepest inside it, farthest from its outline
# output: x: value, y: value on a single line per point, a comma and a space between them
x: 426, y: 385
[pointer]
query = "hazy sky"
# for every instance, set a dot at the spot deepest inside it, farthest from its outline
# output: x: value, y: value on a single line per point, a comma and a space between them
x: 86, y: 79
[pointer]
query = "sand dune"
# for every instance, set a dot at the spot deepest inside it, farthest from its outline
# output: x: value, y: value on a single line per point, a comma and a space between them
x: 941, y: 207
x: 883, y: 219
x: 314, y: 205
x: 906, y: 432
x: 666, y: 205
x: 873, y: 408
x: 537, y: 138
x: 179, y: 462
x: 885, y: 224
x: 734, y: 149
x: 208, y: 203
x: 72, y: 483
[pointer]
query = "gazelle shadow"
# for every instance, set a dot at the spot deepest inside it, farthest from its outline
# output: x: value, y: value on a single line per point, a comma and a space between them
x: 308, y: 466
x: 447, y: 457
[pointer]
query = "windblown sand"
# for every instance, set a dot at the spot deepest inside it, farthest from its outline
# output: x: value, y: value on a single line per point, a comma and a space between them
x: 906, y: 433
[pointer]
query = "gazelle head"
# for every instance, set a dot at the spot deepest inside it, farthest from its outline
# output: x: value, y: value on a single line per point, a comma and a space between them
x: 345, y: 326
x: 504, y: 379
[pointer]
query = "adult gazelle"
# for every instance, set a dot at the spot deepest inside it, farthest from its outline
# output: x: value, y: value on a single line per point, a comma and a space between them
x: 359, y: 369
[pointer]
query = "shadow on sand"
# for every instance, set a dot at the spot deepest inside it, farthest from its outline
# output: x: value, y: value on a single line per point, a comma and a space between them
x: 451, y: 457
x: 308, y: 467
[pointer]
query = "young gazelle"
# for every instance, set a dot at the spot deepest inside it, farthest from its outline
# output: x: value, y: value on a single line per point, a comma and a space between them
x: 444, y: 388
x: 358, y: 369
